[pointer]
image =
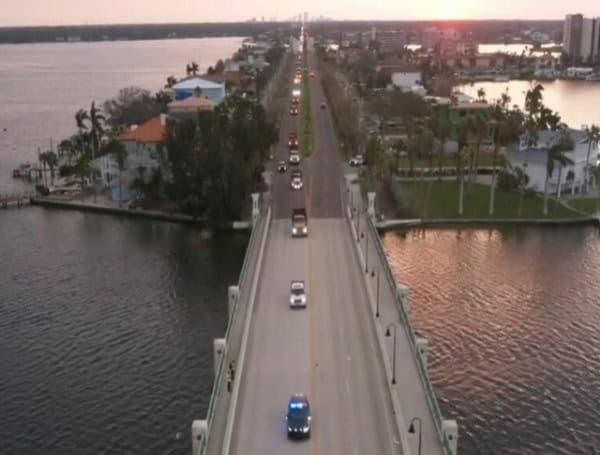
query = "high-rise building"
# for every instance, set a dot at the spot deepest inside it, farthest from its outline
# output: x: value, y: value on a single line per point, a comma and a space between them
x: 581, y: 38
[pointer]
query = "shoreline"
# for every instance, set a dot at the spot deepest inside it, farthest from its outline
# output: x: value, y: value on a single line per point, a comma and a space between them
x: 52, y: 203
x: 401, y: 224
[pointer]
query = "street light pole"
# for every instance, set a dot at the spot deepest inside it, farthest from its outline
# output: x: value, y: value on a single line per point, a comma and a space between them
x: 357, y: 224
x: 367, y: 254
x: 387, y: 334
x: 377, y: 311
x: 411, y: 430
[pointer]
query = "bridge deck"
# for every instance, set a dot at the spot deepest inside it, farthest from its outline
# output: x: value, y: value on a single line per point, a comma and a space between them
x: 329, y: 350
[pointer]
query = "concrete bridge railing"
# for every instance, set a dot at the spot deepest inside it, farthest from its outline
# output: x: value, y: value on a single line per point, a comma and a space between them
x: 208, y: 434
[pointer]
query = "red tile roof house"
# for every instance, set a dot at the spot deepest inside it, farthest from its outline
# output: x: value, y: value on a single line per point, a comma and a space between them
x: 142, y: 144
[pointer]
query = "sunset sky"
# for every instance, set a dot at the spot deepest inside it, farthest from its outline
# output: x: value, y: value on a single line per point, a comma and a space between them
x: 58, y: 12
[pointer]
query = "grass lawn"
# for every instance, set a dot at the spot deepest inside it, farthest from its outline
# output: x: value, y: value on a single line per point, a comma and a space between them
x: 443, y: 202
x: 306, y: 121
x: 587, y: 205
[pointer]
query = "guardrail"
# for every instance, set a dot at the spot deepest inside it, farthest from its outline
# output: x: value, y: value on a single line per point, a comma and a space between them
x: 243, y: 283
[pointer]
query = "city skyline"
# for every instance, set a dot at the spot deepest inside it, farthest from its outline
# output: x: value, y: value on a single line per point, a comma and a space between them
x: 86, y: 12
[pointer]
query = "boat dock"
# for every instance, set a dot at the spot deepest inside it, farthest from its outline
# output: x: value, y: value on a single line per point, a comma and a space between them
x: 16, y: 199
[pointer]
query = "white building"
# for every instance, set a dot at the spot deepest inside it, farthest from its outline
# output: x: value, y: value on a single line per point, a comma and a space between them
x: 581, y: 37
x: 405, y: 81
x: 533, y: 160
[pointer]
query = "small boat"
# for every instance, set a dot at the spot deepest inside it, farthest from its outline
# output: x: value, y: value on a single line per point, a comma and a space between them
x: 593, y: 77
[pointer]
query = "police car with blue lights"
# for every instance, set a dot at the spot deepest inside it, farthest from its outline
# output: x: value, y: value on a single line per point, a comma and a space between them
x: 298, y: 416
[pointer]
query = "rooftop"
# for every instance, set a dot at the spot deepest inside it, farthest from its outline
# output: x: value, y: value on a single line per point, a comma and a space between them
x: 152, y: 131
x: 193, y: 103
x: 194, y: 82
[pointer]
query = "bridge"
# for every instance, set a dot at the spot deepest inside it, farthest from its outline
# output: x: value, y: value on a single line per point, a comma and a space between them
x: 352, y: 350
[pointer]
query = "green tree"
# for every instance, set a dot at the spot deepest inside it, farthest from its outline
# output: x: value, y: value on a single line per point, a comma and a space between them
x: 134, y: 106
x: 507, y: 126
x: 556, y: 155
x: 52, y: 161
x: 171, y: 81
x: 592, y: 137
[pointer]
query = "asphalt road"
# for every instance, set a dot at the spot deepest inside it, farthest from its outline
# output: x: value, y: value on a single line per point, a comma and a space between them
x: 328, y: 350
x: 322, y: 172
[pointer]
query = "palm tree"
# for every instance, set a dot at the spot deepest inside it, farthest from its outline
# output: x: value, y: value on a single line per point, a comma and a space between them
x: 441, y: 130
x: 481, y: 95
x: 52, y: 161
x: 97, y: 121
x: 171, y: 81
x: 592, y: 136
x: 192, y: 68
x: 81, y: 117
x: 507, y: 129
x: 43, y: 160
x: 480, y: 128
x: 461, y: 156
x: 556, y: 154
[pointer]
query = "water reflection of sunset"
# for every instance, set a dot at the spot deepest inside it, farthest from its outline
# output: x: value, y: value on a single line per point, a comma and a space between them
x: 512, y: 319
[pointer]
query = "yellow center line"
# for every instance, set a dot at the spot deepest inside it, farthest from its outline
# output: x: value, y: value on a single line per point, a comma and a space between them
x: 311, y: 323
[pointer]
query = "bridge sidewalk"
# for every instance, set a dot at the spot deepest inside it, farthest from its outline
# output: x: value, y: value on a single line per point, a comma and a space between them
x: 409, y: 387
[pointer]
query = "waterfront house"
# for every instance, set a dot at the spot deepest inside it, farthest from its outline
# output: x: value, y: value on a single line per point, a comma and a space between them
x: 533, y: 160
x: 143, y: 144
x: 214, y: 91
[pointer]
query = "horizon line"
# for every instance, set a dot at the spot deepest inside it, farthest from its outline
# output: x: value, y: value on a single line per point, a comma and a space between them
x: 247, y: 21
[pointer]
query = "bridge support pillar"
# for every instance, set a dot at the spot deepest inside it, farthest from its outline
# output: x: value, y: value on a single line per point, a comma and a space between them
x: 450, y: 431
x: 405, y: 295
x: 199, y: 435
x: 218, y: 353
x: 371, y: 206
x: 255, y: 209
x: 233, y: 294
x: 422, y: 349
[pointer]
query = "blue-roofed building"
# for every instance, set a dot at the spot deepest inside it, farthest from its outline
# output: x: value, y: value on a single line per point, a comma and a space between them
x: 214, y: 91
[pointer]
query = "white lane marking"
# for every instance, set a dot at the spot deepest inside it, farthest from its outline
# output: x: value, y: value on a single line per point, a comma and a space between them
x: 341, y: 332
x: 347, y: 386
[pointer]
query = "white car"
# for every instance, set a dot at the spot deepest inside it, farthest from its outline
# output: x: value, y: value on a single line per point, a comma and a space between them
x: 281, y: 167
x: 294, y: 158
x: 297, y: 295
x: 296, y: 182
x: 357, y: 160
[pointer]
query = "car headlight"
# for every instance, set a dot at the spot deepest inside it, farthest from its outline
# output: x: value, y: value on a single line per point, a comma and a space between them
x: 303, y: 299
x: 291, y: 299
x: 305, y: 429
x: 304, y: 230
x: 294, y: 230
